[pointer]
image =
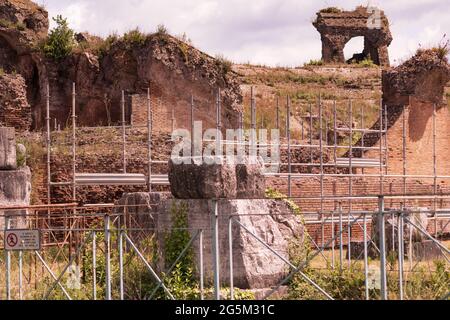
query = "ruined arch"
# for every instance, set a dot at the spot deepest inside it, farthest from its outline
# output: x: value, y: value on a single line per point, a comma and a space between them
x: 338, y: 27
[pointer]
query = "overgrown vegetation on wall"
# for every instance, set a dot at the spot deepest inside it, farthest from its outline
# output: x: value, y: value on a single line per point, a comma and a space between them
x: 60, y: 41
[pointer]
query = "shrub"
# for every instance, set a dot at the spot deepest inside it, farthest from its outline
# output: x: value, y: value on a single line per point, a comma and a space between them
x: 161, y: 30
x: 177, y: 239
x: 274, y: 194
x: 366, y: 63
x: 442, y: 50
x: 106, y: 45
x: 134, y: 37
x: 224, y: 63
x: 60, y: 42
x: 331, y: 10
x: 314, y: 63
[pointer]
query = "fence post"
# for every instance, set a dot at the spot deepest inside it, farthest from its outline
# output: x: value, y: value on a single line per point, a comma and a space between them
x: 382, y: 234
x: 341, y: 245
x: 94, y: 265
x: 366, y: 263
x: 121, y: 264
x: 20, y: 275
x: 8, y: 263
x: 202, y: 295
x: 107, y: 257
x: 215, y: 247
x: 230, y: 243
x: 400, y: 253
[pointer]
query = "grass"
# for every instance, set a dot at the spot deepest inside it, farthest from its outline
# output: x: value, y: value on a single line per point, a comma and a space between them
x: 331, y: 10
x: 134, y: 38
x: 314, y: 63
x: 12, y: 25
x: 442, y: 50
x: 224, y: 63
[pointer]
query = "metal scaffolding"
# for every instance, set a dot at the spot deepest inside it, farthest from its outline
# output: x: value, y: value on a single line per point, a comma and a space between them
x: 347, y: 162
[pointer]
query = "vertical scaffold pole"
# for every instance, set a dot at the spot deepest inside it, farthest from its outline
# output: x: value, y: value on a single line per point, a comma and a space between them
x: 49, y: 178
x: 350, y: 181
x: 335, y: 135
x: 192, y: 126
x: 215, y: 247
x: 386, y: 150
x: 381, y: 149
x: 173, y: 116
x: 335, y: 168
x: 288, y: 122
x: 311, y: 131
x: 219, y: 121
x: 404, y: 149
x: 382, y: 233
x: 124, y: 133
x: 252, y: 109
x: 321, y: 169
x: 149, y: 138
x: 74, y: 123
x: 278, y: 113
x: 435, y: 172
x: 74, y: 159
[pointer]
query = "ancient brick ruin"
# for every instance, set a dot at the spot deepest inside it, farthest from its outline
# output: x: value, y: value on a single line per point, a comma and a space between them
x: 171, y: 68
x: 337, y: 27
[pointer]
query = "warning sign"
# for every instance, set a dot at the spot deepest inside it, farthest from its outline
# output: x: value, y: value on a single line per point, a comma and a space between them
x: 19, y: 240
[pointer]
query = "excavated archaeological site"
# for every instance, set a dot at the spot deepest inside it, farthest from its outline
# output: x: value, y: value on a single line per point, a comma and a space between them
x: 85, y: 158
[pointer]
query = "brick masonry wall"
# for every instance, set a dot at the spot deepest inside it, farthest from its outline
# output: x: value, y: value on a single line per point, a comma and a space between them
x: 419, y: 142
x: 14, y: 108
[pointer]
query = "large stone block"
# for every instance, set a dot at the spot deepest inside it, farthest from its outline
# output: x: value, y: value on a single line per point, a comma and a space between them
x: 15, y: 190
x: 199, y: 180
x: 251, y: 183
x: 7, y: 149
x: 218, y: 178
x: 254, y: 265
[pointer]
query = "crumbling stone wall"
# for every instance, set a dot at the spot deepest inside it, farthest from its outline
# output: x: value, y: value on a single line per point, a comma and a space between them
x: 15, y: 110
x: 173, y: 69
x: 337, y: 27
x: 412, y: 91
x: 23, y: 24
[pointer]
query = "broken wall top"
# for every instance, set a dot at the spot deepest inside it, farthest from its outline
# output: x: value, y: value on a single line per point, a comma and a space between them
x: 424, y: 76
x: 354, y: 23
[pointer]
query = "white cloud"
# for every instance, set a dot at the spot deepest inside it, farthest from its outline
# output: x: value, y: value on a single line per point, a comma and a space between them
x: 274, y: 32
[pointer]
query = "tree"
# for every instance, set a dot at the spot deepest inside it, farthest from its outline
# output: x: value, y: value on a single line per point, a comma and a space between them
x: 60, y: 41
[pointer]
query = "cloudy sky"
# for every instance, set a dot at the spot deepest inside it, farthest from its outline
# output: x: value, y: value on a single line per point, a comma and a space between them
x: 271, y: 32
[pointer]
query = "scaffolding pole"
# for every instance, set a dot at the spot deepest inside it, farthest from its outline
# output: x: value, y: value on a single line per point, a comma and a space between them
x: 288, y: 128
x: 124, y: 133
x: 350, y: 181
x: 149, y: 138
